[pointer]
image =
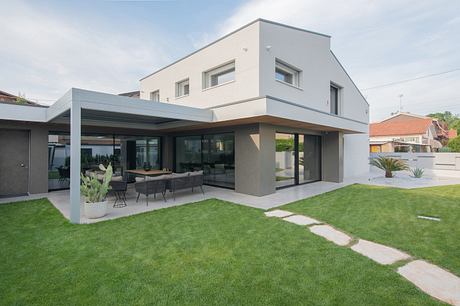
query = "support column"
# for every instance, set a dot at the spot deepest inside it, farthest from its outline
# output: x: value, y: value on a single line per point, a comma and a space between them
x: 255, y: 160
x: 75, y: 152
x: 333, y: 157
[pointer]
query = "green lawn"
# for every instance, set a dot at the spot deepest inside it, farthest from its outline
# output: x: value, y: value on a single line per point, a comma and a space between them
x: 389, y: 216
x: 211, y: 252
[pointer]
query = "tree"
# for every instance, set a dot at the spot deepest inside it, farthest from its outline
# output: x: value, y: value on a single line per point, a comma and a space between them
x: 454, y: 144
x: 452, y: 120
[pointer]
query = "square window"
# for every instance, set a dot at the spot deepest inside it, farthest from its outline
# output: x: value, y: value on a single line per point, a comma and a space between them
x: 219, y: 75
x: 182, y: 88
x: 287, y: 74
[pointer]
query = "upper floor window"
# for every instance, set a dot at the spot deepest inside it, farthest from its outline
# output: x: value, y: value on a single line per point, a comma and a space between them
x: 287, y: 74
x: 334, y: 99
x: 220, y: 75
x: 182, y: 88
x: 155, y: 96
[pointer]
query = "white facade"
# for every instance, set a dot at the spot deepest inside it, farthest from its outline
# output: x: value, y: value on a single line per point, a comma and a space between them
x: 255, y: 48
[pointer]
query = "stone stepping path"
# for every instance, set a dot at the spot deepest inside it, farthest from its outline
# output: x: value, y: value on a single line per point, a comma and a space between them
x: 433, y: 280
x: 301, y: 220
x: 331, y: 234
x: 378, y: 252
x: 278, y: 213
x: 430, y: 278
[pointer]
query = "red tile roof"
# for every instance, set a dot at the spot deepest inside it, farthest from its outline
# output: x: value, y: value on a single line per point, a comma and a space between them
x: 452, y: 133
x: 414, y: 126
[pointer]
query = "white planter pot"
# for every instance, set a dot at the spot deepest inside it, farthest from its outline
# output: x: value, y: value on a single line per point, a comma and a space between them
x: 95, y: 210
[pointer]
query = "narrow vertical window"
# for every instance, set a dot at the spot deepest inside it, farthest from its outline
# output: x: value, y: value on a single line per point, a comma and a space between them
x: 155, y: 96
x: 334, y: 100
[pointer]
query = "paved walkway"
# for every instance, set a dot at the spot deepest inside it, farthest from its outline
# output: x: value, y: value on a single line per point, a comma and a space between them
x: 430, y: 278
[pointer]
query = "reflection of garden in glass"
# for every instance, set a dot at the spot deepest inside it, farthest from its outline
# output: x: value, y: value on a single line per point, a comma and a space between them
x: 212, y: 153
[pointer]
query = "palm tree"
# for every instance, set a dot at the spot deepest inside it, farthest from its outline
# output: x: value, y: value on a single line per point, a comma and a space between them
x: 389, y: 165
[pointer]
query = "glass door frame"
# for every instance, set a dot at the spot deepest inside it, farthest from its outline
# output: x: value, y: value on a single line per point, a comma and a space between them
x: 297, y: 160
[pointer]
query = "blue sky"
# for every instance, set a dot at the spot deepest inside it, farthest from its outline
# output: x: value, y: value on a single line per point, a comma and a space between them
x: 50, y: 46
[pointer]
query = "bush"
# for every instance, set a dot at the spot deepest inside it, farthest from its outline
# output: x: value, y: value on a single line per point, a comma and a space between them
x: 454, y: 144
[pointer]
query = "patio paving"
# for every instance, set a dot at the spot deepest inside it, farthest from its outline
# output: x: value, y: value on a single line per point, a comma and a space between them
x: 433, y: 280
x: 301, y: 220
x: 331, y: 234
x: 60, y: 199
x: 378, y: 252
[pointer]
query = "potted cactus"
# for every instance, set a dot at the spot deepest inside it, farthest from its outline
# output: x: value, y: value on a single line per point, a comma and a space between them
x: 95, y: 192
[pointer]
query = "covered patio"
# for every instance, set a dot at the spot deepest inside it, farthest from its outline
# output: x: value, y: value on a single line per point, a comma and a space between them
x: 79, y: 108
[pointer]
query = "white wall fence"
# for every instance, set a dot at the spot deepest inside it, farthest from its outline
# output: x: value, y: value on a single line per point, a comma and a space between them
x: 445, y: 164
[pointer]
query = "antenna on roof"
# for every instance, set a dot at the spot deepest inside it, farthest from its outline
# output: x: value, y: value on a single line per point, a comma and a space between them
x: 400, y: 102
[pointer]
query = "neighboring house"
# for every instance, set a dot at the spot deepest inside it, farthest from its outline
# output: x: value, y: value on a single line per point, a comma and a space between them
x: 12, y: 99
x: 406, y: 132
x: 452, y: 134
x: 230, y: 108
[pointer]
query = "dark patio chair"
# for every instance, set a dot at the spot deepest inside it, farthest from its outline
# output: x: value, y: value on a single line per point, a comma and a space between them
x: 119, y: 190
x: 150, y: 187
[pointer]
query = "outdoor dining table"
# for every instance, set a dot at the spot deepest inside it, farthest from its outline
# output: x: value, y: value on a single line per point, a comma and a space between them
x: 145, y: 173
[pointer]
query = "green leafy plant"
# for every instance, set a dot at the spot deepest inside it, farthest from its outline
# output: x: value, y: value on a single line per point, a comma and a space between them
x: 92, y: 189
x: 389, y: 165
x: 417, y: 172
x: 454, y: 144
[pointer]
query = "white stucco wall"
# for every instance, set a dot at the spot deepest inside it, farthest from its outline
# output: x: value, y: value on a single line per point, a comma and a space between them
x: 241, y: 46
x: 310, y: 53
x: 355, y: 155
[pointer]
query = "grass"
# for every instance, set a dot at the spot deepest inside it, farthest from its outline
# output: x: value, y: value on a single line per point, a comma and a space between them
x: 210, y: 252
x: 389, y: 216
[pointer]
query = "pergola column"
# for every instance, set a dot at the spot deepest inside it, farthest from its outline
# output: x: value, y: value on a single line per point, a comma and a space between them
x: 75, y: 152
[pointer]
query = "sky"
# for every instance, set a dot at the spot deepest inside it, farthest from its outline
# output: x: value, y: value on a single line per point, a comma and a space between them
x: 50, y: 46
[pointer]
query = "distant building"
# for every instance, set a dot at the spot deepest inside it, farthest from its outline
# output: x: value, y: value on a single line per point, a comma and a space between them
x: 405, y: 132
x: 452, y: 134
x: 12, y: 99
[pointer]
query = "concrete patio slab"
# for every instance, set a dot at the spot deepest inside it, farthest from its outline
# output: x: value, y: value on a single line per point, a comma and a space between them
x: 278, y: 213
x: 433, y: 280
x: 331, y: 234
x: 380, y: 253
x: 301, y: 220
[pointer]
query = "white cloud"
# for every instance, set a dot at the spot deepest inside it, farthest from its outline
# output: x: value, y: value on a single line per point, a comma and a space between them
x: 378, y: 42
x: 45, y: 55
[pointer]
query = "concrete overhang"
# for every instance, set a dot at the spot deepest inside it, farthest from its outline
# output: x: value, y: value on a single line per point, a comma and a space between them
x: 281, y: 112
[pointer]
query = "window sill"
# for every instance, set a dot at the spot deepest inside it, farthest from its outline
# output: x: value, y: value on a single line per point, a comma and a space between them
x: 290, y: 85
x: 180, y: 97
x: 215, y: 86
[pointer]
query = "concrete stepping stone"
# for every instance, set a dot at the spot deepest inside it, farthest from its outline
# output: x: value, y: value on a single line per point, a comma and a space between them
x: 380, y: 253
x: 331, y: 234
x: 278, y: 213
x: 301, y: 220
x: 433, y: 280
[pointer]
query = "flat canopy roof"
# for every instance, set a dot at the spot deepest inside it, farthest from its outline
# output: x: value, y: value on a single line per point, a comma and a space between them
x: 102, y: 109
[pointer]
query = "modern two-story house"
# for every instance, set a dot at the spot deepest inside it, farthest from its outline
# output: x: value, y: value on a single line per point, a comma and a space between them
x: 267, y: 106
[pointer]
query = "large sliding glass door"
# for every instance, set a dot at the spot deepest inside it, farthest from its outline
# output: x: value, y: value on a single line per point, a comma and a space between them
x: 212, y: 153
x: 285, y: 159
x: 123, y: 152
x: 298, y: 159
